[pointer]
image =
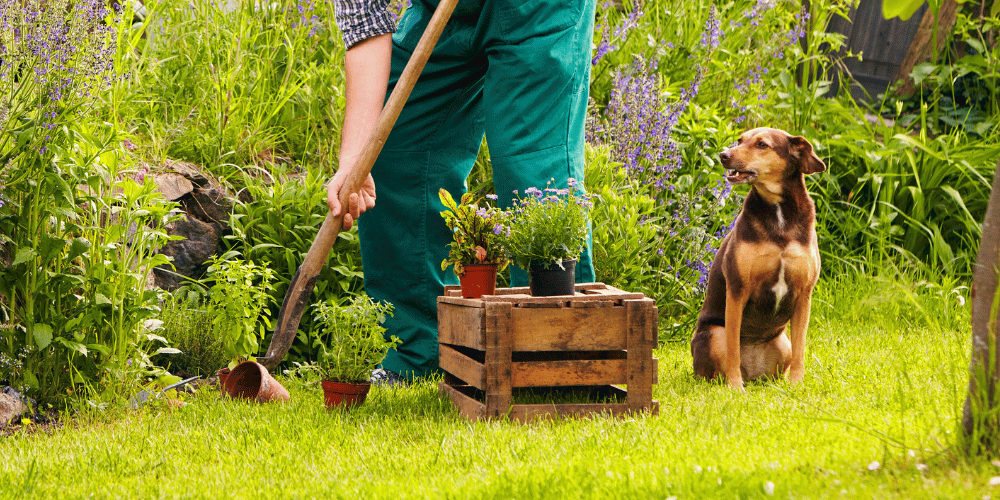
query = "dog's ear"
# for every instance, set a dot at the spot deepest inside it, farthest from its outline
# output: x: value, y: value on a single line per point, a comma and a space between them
x: 809, y: 163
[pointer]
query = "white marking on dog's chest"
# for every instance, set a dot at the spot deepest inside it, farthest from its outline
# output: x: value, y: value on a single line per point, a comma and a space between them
x: 781, y: 218
x: 780, y: 288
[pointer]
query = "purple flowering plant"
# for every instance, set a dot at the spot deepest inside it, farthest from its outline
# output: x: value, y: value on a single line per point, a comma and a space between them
x: 549, y: 225
x: 478, y: 232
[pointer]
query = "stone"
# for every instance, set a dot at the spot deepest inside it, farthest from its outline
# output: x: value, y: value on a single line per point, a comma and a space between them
x: 11, y: 408
x: 173, y: 185
x: 189, y: 255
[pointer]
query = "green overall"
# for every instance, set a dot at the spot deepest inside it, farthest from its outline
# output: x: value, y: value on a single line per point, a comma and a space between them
x: 516, y: 70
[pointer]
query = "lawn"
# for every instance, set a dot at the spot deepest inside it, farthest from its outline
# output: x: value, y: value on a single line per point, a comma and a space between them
x: 875, y: 418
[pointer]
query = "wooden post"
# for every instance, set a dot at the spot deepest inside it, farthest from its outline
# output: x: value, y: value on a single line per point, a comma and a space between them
x: 499, y: 345
x: 935, y: 25
x: 640, y: 322
x: 984, y: 367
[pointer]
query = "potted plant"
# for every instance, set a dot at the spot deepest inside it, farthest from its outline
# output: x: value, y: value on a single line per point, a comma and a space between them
x: 476, y: 252
x: 351, y: 344
x: 548, y: 229
x: 238, y: 306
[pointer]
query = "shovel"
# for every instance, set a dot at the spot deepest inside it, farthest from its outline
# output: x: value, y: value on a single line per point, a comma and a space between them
x: 299, y: 290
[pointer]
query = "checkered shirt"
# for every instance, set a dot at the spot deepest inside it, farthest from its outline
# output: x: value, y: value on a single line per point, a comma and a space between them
x: 361, y: 19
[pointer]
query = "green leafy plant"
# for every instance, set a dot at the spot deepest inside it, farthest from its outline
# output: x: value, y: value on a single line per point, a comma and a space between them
x: 478, y: 232
x: 238, y: 305
x: 187, y: 326
x: 275, y: 225
x: 350, y: 338
x: 548, y: 226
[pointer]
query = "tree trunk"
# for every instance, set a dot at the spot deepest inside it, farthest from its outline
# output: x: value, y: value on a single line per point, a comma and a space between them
x: 920, y: 50
x: 984, y: 367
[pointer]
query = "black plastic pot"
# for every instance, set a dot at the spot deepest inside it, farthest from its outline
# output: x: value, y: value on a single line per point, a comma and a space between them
x: 547, y: 279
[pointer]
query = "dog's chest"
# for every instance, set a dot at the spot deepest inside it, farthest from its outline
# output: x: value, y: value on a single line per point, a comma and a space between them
x: 775, y: 274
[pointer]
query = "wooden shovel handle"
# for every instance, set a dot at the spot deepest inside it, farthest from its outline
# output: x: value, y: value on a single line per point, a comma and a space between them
x: 300, y: 288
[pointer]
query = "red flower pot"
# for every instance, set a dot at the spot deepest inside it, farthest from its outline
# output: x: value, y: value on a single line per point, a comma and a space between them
x: 478, y: 280
x: 344, y: 394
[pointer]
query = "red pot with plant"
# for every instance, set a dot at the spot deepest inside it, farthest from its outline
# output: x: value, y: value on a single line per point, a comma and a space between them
x: 476, y: 251
x: 351, y: 344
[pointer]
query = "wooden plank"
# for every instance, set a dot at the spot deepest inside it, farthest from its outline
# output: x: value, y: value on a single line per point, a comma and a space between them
x: 582, y: 304
x: 467, y: 406
x: 460, y: 325
x: 497, y: 337
x: 465, y: 368
x: 641, y: 335
x: 569, y: 329
x: 573, y: 373
x: 560, y: 373
x: 458, y: 300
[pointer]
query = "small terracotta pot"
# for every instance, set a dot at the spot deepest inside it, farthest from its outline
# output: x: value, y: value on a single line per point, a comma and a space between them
x: 548, y: 279
x: 222, y: 375
x: 250, y: 380
x: 478, y: 280
x: 344, y: 394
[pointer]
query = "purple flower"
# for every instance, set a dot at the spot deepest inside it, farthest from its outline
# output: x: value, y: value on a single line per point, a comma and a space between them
x: 492, y: 196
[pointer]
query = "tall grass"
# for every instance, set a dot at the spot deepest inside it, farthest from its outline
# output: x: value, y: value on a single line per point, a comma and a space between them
x: 230, y: 84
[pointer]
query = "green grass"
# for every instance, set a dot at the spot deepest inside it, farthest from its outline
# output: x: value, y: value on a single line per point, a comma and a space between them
x: 885, y: 380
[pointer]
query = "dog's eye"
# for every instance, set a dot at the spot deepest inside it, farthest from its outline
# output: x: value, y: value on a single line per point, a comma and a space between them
x: 762, y: 145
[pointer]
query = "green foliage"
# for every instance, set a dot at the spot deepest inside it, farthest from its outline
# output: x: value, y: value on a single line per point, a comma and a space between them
x: 238, y: 305
x: 478, y: 232
x: 229, y: 84
x: 350, y: 338
x: 548, y: 226
x: 275, y: 228
x: 187, y: 326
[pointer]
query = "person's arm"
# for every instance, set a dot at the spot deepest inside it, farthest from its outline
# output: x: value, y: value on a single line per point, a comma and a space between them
x: 366, y: 26
x: 366, y: 66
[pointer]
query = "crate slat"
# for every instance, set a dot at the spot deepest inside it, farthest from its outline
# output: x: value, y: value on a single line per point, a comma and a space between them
x: 467, y: 406
x: 460, y: 325
x: 641, y: 324
x: 568, y: 329
x: 496, y: 331
x: 465, y: 368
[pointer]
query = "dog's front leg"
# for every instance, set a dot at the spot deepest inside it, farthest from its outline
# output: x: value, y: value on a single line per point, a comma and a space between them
x: 734, y: 322
x: 800, y: 323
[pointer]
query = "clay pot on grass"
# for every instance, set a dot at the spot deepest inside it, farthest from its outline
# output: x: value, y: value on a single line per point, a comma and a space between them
x: 342, y: 394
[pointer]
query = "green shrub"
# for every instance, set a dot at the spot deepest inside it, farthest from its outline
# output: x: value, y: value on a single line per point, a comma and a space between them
x: 276, y: 227
x: 78, y: 226
x: 187, y: 326
x: 238, y: 305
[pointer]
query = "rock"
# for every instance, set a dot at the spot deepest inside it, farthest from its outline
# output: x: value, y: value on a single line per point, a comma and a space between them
x: 173, y: 185
x: 207, y: 207
x: 200, y: 244
x: 11, y: 407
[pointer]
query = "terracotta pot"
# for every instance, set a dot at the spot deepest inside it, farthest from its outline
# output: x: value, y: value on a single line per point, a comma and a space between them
x: 222, y: 375
x: 548, y: 279
x: 344, y: 394
x: 250, y: 380
x: 478, y: 280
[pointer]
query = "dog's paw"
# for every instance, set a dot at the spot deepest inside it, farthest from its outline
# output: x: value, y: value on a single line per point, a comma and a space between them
x: 736, y: 383
x: 796, y: 376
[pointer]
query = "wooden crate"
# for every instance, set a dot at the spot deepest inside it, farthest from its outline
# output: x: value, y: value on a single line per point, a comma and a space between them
x: 593, y: 342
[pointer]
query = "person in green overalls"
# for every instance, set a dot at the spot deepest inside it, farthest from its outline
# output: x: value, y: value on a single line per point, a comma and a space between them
x: 517, y: 71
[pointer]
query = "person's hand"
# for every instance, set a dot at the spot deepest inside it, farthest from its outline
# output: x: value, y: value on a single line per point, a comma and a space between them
x: 358, y: 202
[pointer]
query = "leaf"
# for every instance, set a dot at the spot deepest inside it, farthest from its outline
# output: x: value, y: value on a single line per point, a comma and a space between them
x: 42, y: 334
x: 23, y: 254
x: 75, y: 346
x: 167, y: 350
x: 902, y: 9
x: 921, y: 71
x: 152, y: 337
x: 447, y: 200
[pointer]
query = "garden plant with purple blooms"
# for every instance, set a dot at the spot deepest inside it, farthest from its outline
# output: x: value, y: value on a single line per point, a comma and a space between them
x: 549, y: 225
x: 478, y: 231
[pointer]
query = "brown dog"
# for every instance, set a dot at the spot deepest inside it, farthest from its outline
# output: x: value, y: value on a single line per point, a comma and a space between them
x: 764, y: 272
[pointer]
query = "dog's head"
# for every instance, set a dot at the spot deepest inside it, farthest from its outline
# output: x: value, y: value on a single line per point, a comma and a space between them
x: 769, y: 156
